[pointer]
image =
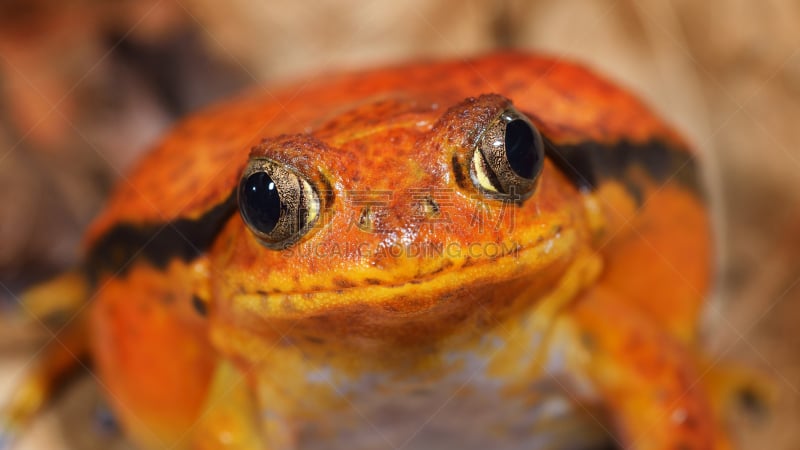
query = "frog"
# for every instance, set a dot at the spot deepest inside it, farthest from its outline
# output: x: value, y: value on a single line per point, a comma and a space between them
x: 505, y: 251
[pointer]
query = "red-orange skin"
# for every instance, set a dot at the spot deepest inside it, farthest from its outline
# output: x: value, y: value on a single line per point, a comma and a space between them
x: 393, y: 129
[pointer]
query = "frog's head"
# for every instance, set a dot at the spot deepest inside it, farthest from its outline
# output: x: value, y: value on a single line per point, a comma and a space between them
x: 399, y: 219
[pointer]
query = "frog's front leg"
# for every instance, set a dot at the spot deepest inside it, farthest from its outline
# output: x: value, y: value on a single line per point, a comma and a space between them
x: 647, y: 379
x: 231, y: 418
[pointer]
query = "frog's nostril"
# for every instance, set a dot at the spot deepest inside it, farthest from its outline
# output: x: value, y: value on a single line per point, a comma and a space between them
x: 430, y: 207
x: 366, y: 220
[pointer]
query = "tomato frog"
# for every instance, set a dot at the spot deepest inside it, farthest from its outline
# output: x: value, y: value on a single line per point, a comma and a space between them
x: 501, y: 252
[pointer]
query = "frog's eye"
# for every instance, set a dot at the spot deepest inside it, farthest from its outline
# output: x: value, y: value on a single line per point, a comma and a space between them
x: 278, y: 205
x: 509, y: 156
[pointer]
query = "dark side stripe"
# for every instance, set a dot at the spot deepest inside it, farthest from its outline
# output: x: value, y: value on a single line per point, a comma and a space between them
x: 589, y: 164
x: 158, y: 244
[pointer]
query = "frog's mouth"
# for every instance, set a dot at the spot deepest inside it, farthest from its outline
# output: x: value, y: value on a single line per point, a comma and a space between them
x: 457, y: 289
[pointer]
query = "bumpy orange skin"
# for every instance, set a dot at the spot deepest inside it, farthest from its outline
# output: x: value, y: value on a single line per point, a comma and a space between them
x: 596, y: 290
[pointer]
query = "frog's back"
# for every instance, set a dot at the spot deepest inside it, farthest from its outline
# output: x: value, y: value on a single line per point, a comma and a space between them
x: 196, y: 167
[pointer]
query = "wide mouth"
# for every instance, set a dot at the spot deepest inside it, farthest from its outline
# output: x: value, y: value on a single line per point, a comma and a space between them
x: 455, y: 280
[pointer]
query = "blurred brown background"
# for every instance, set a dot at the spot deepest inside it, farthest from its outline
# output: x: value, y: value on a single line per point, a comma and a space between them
x: 86, y: 85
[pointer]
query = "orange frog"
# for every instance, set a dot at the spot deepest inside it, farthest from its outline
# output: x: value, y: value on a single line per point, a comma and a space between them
x: 502, y: 252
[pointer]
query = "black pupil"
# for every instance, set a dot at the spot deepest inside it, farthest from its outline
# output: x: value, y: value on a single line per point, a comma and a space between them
x: 521, y: 148
x: 262, y: 204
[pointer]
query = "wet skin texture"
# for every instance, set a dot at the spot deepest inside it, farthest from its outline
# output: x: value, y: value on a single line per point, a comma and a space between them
x: 563, y: 316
